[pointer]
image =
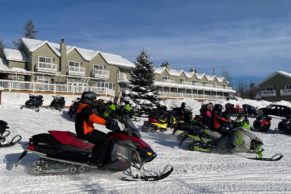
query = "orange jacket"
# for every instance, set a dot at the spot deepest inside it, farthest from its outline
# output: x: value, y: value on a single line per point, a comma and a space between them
x: 85, y: 118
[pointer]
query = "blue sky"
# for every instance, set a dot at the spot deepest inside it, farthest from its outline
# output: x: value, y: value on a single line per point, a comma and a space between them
x: 248, y: 38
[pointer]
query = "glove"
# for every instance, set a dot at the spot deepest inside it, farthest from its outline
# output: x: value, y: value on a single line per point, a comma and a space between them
x: 112, y: 125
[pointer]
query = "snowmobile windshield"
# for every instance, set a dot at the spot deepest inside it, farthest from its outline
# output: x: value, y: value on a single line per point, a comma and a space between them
x: 130, y: 126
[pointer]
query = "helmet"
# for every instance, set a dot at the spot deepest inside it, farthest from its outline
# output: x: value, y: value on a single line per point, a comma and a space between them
x: 89, y: 98
x: 217, y: 108
x: 183, y: 105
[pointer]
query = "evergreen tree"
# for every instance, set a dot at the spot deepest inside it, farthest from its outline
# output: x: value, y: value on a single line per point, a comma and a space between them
x: 29, y: 32
x: 1, y: 49
x: 141, y: 92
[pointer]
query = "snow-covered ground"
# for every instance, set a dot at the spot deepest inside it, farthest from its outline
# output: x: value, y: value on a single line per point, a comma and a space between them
x: 194, y: 172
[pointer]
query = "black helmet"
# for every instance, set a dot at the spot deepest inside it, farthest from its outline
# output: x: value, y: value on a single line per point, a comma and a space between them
x: 183, y: 105
x: 217, y: 108
x: 89, y: 98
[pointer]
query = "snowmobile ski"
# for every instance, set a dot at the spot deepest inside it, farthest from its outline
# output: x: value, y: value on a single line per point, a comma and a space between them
x: 14, y: 140
x: 154, y: 176
x: 275, y: 157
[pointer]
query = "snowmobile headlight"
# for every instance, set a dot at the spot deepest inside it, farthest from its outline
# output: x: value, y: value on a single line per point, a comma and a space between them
x: 150, y: 153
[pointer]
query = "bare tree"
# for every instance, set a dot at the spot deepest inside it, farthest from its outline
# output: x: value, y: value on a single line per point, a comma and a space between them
x: 1, y: 49
x: 227, y: 76
x: 29, y: 32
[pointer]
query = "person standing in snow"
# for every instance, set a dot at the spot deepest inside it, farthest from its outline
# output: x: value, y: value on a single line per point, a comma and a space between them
x: 85, y: 118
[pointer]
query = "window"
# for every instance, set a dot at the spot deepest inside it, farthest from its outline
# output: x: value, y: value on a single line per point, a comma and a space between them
x: 103, y: 84
x: 165, y: 78
x: 99, y: 67
x: 287, y: 86
x: 182, y: 80
x: 44, y: 59
x: 74, y: 64
x: 42, y: 78
x: 17, y: 77
x: 269, y: 88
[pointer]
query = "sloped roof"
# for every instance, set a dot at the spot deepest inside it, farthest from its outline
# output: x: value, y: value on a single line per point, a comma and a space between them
x: 14, y: 55
x: 284, y: 73
x: 116, y: 60
x: 32, y: 45
x: 159, y: 70
x: 175, y: 72
x: 189, y: 74
x: 87, y: 54
x: 210, y: 77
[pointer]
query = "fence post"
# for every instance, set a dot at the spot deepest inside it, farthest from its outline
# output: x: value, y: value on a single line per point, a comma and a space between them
x: 55, y: 88
x: 9, y: 86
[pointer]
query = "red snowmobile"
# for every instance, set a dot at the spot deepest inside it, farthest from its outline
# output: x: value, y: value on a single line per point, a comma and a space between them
x: 63, y: 148
x: 262, y: 123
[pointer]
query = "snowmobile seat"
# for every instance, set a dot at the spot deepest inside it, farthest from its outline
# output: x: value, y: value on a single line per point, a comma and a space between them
x: 69, y: 138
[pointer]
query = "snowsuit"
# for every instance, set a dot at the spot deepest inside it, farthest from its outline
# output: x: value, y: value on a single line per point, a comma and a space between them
x: 85, y: 118
x: 219, y: 122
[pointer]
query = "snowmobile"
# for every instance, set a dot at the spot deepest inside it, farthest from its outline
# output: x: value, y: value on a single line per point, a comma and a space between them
x: 34, y: 102
x: 232, y: 140
x: 285, y: 125
x: 262, y: 123
x: 159, y: 120
x: 58, y: 103
x: 62, y: 151
x: 73, y: 107
x: 4, y: 133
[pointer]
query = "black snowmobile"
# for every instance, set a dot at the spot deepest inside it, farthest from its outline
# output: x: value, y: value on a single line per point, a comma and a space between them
x: 285, y: 125
x: 34, y: 102
x: 73, y: 107
x: 4, y: 133
x: 58, y: 103
x: 62, y: 151
x: 230, y: 140
x: 262, y: 123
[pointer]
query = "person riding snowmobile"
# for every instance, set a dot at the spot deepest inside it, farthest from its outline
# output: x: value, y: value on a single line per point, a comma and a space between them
x: 206, y: 114
x: 219, y: 123
x: 85, y: 118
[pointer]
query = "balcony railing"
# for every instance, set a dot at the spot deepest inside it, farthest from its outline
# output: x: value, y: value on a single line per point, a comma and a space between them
x: 122, y: 77
x: 100, y: 73
x: 268, y: 93
x: 46, y: 67
x: 72, y: 70
x: 189, y: 95
x: 285, y: 92
x: 169, y: 81
x: 11, y: 85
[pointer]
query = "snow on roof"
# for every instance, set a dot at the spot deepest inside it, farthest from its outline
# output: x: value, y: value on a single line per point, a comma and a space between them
x: 159, y: 70
x: 189, y: 74
x: 14, y: 55
x: 116, y: 60
x: 285, y: 73
x: 32, y: 45
x: 87, y: 54
x: 175, y: 72
x: 210, y: 77
x: 200, y: 76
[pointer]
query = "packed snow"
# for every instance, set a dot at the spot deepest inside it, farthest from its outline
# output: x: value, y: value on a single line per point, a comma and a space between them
x: 194, y: 172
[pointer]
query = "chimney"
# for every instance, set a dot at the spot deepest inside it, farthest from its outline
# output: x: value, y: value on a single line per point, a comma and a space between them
x: 63, y: 51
